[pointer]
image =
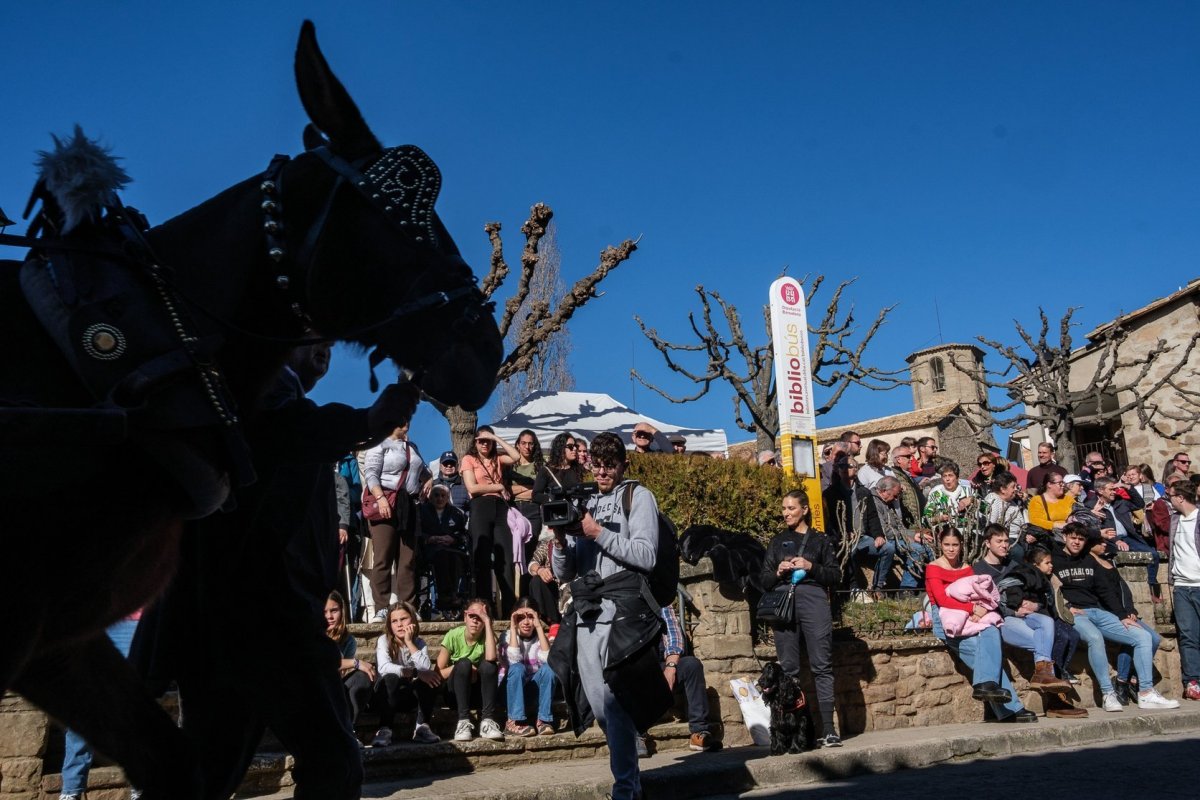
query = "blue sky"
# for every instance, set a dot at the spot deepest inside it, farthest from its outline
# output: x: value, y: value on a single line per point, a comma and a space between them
x: 983, y: 158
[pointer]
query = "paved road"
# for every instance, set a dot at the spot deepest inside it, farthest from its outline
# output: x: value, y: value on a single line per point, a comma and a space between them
x: 1163, y: 768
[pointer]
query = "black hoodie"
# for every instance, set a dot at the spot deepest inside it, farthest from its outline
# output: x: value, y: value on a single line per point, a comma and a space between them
x: 1081, y: 586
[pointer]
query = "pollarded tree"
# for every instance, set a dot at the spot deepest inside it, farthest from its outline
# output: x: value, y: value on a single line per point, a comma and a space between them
x: 1039, y: 382
x: 838, y: 356
x: 549, y: 368
x: 528, y: 323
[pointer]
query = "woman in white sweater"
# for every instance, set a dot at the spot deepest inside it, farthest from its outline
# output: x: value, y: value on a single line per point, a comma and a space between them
x: 876, y: 466
x: 407, y: 679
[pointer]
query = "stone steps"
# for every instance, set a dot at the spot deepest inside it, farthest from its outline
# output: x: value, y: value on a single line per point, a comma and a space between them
x: 271, y: 771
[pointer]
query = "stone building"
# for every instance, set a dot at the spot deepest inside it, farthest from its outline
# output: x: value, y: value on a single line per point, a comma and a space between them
x: 1174, y: 319
x: 948, y: 395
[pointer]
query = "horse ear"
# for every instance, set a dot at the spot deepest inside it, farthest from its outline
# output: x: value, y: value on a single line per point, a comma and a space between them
x: 313, y: 138
x: 328, y: 103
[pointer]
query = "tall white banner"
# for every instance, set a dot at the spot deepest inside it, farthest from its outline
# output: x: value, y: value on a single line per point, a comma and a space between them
x: 793, y: 373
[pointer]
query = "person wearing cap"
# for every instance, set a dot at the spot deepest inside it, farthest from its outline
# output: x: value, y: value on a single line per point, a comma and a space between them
x: 678, y: 444
x: 444, y: 547
x: 643, y: 438
x: 449, y: 476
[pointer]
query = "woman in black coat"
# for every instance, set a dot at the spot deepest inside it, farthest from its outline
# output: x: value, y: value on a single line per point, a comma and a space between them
x: 799, y: 547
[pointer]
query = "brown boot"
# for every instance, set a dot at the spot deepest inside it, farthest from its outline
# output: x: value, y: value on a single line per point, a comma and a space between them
x: 1058, y: 704
x: 1043, y: 679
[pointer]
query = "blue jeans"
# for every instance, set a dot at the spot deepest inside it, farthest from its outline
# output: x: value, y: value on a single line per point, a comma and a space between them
x: 884, y: 556
x: 77, y: 758
x: 915, y: 553
x: 1125, y: 655
x: 515, y: 682
x: 1034, y: 632
x: 1096, y: 625
x: 1138, y: 546
x: 982, y: 654
x: 1187, y: 622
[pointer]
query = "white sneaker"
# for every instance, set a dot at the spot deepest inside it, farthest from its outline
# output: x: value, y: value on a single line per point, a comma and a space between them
x: 383, y: 738
x: 380, y: 615
x: 1152, y: 699
x: 1111, y: 703
x: 488, y: 729
x: 464, y: 732
x: 425, y: 735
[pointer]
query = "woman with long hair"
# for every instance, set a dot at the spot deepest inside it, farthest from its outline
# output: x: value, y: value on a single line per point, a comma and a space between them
x: 491, y: 540
x: 357, y: 676
x: 520, y: 477
x: 980, y: 652
x: 394, y: 474
x: 524, y: 648
x: 564, y: 471
x: 407, y: 679
x: 876, y: 466
x: 805, y: 557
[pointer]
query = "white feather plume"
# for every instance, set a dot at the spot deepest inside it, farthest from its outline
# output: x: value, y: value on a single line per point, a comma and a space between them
x: 82, y: 175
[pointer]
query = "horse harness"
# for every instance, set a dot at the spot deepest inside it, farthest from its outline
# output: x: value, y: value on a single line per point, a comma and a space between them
x: 94, y: 287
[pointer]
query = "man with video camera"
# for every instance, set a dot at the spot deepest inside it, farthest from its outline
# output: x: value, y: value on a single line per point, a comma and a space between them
x: 611, y: 672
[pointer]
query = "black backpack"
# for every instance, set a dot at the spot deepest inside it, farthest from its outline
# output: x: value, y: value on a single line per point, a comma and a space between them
x: 664, y: 578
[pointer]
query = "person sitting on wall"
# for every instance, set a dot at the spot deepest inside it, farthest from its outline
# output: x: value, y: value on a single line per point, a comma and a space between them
x: 684, y: 673
x: 982, y: 653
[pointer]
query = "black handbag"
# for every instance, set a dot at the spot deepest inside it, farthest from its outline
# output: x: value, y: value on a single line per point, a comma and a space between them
x: 778, y: 606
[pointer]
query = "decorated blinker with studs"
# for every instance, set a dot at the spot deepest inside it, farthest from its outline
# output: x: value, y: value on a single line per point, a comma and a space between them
x: 104, y: 342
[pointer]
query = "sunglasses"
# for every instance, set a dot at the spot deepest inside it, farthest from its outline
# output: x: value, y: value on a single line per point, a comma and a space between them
x: 641, y: 435
x: 1183, y: 461
x: 570, y: 447
x: 1054, y: 483
x: 483, y: 441
x: 983, y: 463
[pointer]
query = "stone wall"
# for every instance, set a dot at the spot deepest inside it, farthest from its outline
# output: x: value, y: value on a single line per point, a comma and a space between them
x: 880, y: 684
x: 24, y: 732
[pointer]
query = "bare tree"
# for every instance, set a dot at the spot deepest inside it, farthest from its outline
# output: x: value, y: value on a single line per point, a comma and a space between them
x: 1038, y: 383
x: 837, y: 356
x: 549, y: 368
x: 530, y: 323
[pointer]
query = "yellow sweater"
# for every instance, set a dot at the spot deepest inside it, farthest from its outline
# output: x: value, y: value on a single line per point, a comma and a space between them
x: 1059, y: 511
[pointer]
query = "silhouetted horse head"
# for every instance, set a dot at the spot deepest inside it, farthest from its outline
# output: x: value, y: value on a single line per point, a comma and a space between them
x: 340, y: 243
x: 381, y: 240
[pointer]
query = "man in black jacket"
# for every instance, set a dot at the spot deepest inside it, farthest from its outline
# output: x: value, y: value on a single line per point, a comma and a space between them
x: 1119, y: 529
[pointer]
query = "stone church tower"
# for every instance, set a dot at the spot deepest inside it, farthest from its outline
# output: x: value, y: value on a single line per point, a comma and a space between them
x: 952, y: 374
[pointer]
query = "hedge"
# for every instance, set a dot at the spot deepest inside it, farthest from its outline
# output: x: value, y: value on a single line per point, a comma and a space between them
x: 701, y: 490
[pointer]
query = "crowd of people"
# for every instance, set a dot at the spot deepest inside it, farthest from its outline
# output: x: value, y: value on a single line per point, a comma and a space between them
x: 1023, y: 564
x: 1003, y: 561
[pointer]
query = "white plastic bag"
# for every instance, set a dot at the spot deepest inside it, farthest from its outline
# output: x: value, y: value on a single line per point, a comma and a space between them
x: 755, y: 713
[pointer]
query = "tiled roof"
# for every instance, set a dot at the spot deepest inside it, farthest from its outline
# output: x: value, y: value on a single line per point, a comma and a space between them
x: 870, y: 427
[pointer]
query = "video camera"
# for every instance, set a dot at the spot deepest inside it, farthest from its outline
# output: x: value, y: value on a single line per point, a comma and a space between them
x: 566, y: 507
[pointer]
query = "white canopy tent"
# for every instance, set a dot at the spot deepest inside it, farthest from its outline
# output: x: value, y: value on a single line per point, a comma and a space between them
x: 548, y: 414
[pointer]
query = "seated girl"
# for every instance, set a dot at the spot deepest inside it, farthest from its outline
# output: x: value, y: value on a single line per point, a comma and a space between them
x: 407, y: 679
x: 357, y: 676
x: 980, y: 652
x: 467, y: 662
x: 525, y: 648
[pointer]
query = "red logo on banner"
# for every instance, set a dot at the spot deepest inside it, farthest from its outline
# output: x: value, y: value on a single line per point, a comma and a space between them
x: 790, y: 294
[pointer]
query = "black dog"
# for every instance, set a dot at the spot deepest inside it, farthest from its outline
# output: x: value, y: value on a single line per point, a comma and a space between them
x: 736, y: 557
x: 791, y: 720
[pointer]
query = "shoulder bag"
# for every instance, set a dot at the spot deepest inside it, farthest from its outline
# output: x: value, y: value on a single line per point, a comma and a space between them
x: 370, y: 504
